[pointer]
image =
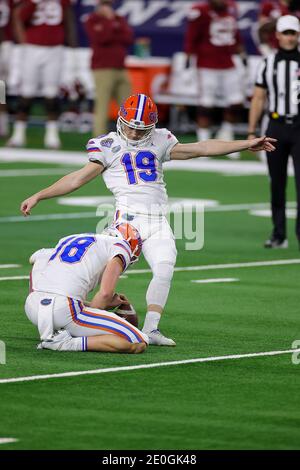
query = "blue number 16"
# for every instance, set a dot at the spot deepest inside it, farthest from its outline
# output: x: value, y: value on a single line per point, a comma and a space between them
x: 141, y: 165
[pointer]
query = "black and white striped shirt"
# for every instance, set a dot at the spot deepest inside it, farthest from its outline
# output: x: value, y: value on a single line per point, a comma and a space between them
x: 279, y: 74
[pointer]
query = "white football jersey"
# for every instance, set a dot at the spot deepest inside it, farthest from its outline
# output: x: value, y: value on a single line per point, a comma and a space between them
x: 134, y: 175
x: 75, y: 266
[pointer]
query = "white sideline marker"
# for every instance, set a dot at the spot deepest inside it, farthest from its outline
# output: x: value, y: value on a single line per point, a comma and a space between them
x: 7, y: 266
x: 13, y: 278
x: 147, y: 366
x: 7, y: 440
x: 212, y: 281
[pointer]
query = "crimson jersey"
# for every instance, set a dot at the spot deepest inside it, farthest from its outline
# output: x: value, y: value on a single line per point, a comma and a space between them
x: 212, y: 35
x: 272, y: 10
x: 44, y: 21
x: 6, y: 7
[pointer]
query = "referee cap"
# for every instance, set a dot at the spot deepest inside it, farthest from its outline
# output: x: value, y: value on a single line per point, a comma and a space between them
x: 288, y: 23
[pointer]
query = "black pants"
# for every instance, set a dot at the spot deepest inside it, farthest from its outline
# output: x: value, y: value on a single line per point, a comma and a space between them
x: 288, y: 136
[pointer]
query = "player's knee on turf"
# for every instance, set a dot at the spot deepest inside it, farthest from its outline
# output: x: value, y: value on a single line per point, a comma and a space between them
x: 137, y: 348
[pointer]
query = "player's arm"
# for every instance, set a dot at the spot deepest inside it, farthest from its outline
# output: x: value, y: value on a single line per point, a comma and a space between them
x: 218, y: 147
x: 65, y: 185
x: 106, y: 297
x: 256, y: 109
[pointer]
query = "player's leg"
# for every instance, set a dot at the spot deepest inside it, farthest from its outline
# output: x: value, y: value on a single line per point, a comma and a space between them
x: 208, y: 88
x: 160, y: 253
x: 51, y: 79
x: 123, y: 86
x: 104, y: 85
x: 28, y: 89
x: 80, y: 328
x: 277, y: 165
x: 233, y: 95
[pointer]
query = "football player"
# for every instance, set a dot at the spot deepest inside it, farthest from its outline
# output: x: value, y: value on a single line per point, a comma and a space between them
x: 61, y: 279
x: 213, y: 37
x: 131, y: 163
x: 42, y: 27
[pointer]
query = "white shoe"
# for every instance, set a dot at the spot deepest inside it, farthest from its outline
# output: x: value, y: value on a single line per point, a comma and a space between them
x: 52, y: 142
x: 158, y: 339
x: 16, y: 142
x: 56, y: 341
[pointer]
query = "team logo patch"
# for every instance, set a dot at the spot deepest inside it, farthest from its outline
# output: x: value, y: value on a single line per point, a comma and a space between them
x: 153, y: 117
x: 116, y: 149
x: 107, y: 142
x: 123, y: 111
x: 128, y: 217
x: 46, y: 301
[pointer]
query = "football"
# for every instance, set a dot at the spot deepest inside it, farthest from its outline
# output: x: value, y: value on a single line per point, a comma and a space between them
x: 127, y: 312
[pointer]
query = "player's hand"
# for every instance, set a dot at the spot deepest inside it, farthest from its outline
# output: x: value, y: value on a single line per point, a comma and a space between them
x: 262, y: 143
x: 117, y: 300
x: 28, y: 204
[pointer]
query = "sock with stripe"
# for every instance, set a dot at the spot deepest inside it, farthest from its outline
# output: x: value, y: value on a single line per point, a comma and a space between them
x: 69, y: 344
x: 151, y: 321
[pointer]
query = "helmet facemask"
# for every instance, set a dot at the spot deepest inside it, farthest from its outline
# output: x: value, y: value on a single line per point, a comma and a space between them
x: 146, y: 137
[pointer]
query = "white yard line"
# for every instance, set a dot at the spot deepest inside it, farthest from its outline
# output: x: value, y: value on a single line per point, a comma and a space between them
x: 213, y: 165
x: 13, y: 278
x: 147, y: 366
x: 215, y: 280
x: 255, y: 264
x: 34, y: 172
x: 7, y: 266
x: 35, y: 218
x: 7, y: 440
x: 91, y: 214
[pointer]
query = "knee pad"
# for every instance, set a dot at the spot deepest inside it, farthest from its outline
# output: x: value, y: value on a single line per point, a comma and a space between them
x: 160, y: 284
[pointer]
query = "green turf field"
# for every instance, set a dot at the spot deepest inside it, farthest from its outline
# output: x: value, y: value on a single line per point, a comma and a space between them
x: 245, y: 403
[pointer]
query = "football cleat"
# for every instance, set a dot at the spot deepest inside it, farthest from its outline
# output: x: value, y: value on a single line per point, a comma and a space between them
x: 275, y: 243
x: 55, y: 341
x: 156, y: 338
x: 137, y: 112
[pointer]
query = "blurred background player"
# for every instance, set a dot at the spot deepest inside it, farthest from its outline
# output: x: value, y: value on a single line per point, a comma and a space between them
x: 77, y: 80
x: 269, y: 13
x: 110, y: 36
x: 131, y: 163
x: 61, y: 279
x: 212, y: 35
x: 42, y: 27
x: 6, y: 38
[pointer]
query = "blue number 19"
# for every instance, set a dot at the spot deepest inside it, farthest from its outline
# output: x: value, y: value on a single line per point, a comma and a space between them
x: 141, y: 165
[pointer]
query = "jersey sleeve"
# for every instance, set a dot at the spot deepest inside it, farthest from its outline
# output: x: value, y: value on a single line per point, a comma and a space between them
x: 42, y: 255
x: 261, y: 80
x: 168, y: 141
x: 121, y: 249
x: 96, y: 154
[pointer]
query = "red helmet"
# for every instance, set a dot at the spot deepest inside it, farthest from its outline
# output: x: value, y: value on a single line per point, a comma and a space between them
x: 137, y: 112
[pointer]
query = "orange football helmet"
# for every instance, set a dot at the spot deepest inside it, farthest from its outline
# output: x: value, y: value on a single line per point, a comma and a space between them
x: 130, y: 234
x: 137, y: 112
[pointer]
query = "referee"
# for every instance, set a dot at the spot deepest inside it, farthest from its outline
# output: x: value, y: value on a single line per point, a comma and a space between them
x: 277, y: 82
